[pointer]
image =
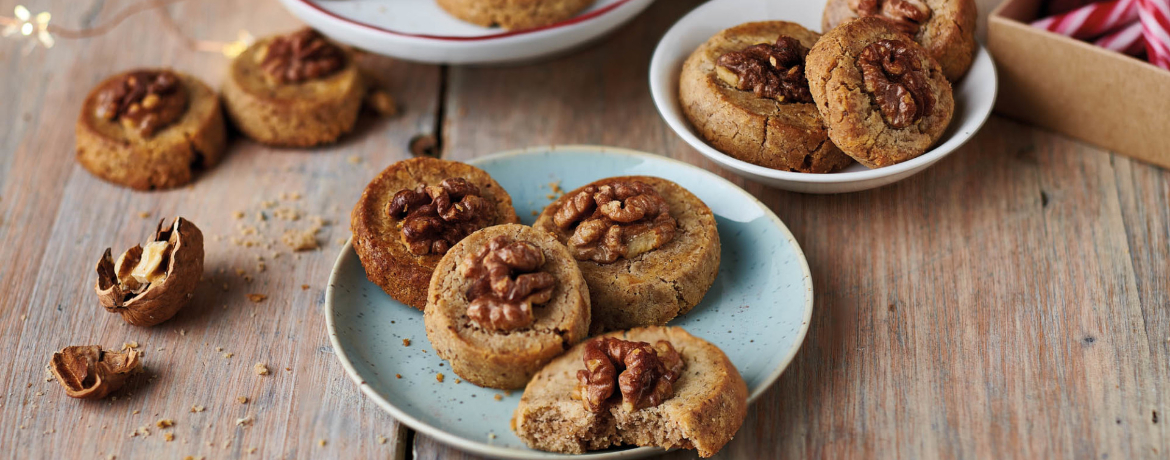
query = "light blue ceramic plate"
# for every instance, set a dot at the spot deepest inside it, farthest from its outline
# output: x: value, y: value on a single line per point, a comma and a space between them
x: 757, y: 311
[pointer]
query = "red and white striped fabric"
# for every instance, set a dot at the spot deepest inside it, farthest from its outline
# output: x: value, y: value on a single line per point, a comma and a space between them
x: 1155, y: 21
x: 1093, y: 20
x: 1129, y: 40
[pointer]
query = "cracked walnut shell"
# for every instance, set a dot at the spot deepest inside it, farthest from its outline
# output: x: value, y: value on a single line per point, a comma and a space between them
x: 88, y: 372
x: 150, y: 284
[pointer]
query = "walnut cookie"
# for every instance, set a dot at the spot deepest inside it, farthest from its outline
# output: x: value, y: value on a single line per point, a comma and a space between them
x: 657, y: 386
x: 503, y: 302
x: 295, y: 90
x: 413, y: 212
x: 514, y: 14
x: 884, y: 99
x: 648, y: 248
x: 946, y: 28
x: 150, y: 129
x: 745, y: 92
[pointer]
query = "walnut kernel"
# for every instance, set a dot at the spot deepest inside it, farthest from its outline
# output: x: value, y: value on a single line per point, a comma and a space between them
x: 892, y: 71
x: 773, y: 71
x: 434, y: 218
x: 647, y: 373
x: 615, y: 220
x: 507, y: 284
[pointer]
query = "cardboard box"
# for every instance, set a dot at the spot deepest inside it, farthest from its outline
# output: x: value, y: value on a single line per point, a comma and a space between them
x: 1072, y: 87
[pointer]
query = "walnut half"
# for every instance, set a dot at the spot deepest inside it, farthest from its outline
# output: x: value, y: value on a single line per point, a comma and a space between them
x: 507, y: 283
x: 647, y: 374
x: 615, y: 220
x: 150, y: 284
x: 88, y: 372
x: 892, y: 72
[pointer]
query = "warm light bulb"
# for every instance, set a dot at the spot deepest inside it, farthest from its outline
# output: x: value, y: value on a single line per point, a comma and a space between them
x: 26, y: 28
x: 21, y: 13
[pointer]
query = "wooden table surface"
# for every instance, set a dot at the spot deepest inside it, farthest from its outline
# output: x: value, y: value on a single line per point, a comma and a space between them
x: 1012, y: 301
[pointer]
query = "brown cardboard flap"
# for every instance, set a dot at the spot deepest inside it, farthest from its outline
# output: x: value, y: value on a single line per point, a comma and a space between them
x: 1078, y: 89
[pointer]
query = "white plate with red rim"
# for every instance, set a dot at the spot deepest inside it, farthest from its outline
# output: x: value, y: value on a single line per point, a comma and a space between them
x: 418, y: 30
x: 757, y: 311
x: 974, y: 96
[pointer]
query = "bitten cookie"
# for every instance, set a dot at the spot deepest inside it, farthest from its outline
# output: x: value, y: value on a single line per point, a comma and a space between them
x: 655, y: 386
x: 946, y: 28
x: 514, y: 14
x: 504, y: 302
x: 150, y: 129
x: 647, y: 247
x: 295, y: 90
x: 746, y: 94
x: 884, y: 99
x: 413, y: 213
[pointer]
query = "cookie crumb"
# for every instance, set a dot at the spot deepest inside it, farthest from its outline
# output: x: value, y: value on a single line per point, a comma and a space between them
x: 321, y: 443
x: 406, y: 342
x: 136, y: 412
x: 168, y: 437
x: 491, y: 436
x: 257, y: 298
x: 238, y: 215
x: 165, y: 423
x: 355, y: 159
x: 304, y: 287
x: 381, y: 102
x: 439, y: 377
x: 196, y: 408
x: 144, y: 214
x: 397, y: 376
x: 244, y: 421
x: 242, y: 399
x: 498, y: 397
x: 534, y: 213
x: 260, y: 369
x: 301, y: 240
x: 228, y: 355
x: 458, y: 380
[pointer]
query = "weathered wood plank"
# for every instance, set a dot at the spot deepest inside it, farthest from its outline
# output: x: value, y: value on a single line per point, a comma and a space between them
x: 56, y: 220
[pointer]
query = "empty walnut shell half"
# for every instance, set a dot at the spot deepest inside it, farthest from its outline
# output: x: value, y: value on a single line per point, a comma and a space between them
x: 88, y: 372
x: 150, y: 283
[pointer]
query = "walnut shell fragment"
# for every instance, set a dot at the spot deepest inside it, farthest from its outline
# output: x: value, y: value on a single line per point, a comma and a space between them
x: 149, y: 284
x: 88, y: 372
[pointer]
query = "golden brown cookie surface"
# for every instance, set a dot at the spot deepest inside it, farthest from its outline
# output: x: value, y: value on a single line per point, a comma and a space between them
x: 514, y: 14
x: 378, y: 237
x: 946, y: 28
x: 295, y: 90
x: 493, y: 339
x: 150, y: 129
x: 783, y: 131
x: 707, y: 405
x: 658, y: 283
x: 882, y: 96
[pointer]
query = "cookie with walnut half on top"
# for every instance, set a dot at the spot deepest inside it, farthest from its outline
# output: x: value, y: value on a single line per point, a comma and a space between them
x: 414, y: 212
x: 503, y: 303
x: 946, y: 28
x: 648, y: 248
x: 150, y: 129
x: 294, y: 90
x: 745, y: 92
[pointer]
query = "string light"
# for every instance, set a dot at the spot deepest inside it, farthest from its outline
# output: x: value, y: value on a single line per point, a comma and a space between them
x: 25, y: 25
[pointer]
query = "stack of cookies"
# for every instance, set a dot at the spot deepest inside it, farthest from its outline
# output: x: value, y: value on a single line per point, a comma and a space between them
x: 512, y: 306
x: 875, y: 89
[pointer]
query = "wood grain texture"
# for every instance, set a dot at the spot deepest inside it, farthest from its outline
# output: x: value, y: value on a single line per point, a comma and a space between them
x: 1013, y: 301
x: 56, y: 219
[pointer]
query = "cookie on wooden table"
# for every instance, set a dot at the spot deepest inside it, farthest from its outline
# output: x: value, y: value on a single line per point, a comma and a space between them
x: 946, y: 28
x: 648, y: 248
x: 745, y: 92
x: 414, y: 212
x: 654, y: 386
x: 884, y: 99
x: 150, y: 129
x: 504, y: 302
x: 514, y: 14
x: 295, y: 90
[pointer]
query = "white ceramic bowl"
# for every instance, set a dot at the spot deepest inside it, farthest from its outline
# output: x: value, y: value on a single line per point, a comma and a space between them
x: 418, y: 30
x: 974, y: 96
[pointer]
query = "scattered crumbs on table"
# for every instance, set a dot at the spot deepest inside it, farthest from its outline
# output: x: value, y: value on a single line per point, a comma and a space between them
x: 406, y: 342
x: 242, y: 399
x: 439, y: 377
x: 165, y: 423
x: 260, y: 369
x: 498, y: 397
x: 168, y: 437
x: 228, y: 355
x: 355, y: 159
x: 197, y: 408
x: 244, y: 421
x: 321, y: 443
x: 381, y: 440
x: 304, y: 287
x: 397, y: 376
x: 257, y: 298
x: 144, y: 214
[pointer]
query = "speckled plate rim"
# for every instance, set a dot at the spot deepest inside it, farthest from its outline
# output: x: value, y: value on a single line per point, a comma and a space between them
x: 501, y: 452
